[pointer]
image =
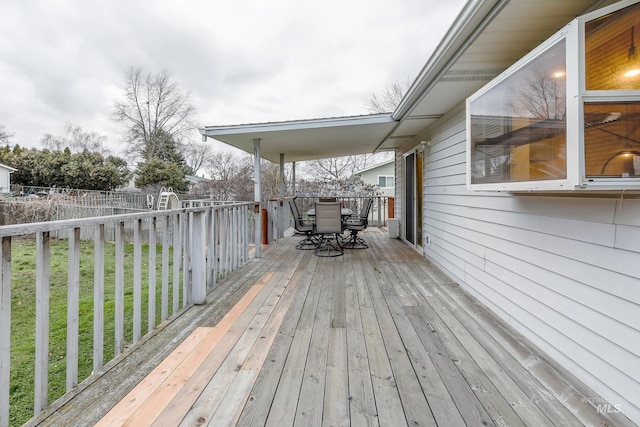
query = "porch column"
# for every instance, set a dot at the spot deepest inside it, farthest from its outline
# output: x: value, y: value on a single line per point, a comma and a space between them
x: 281, y: 175
x: 293, y: 178
x: 257, y: 195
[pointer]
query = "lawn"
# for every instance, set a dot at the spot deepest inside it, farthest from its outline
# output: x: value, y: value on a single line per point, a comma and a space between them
x: 23, y: 314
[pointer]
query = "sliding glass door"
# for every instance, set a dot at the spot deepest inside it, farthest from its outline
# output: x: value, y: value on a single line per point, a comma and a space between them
x: 412, y: 206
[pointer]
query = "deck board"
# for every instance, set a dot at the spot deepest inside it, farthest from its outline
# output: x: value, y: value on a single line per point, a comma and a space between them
x: 377, y: 337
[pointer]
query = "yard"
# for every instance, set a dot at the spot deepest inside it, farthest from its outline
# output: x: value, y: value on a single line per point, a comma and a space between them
x: 23, y: 317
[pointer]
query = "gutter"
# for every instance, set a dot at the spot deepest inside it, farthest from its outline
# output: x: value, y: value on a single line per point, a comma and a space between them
x: 469, y: 24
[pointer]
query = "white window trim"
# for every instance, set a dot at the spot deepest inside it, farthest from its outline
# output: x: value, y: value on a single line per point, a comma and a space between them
x: 386, y: 178
x: 576, y: 96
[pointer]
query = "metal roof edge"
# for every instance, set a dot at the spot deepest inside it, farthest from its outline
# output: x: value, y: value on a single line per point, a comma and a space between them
x: 298, y: 124
x: 374, y: 166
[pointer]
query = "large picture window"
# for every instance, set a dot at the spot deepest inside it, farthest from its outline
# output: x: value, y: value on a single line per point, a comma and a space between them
x: 557, y: 120
x: 518, y: 127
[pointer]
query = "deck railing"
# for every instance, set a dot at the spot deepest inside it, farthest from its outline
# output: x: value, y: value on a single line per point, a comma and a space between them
x: 189, y: 250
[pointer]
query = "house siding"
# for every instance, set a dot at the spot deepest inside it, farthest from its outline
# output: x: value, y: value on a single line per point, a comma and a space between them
x: 563, y: 270
x: 5, y: 179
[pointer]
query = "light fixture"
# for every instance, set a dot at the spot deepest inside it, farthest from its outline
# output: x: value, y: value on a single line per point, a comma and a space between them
x: 632, y: 59
x: 625, y: 154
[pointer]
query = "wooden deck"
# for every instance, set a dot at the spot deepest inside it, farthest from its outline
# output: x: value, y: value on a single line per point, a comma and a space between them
x: 377, y: 337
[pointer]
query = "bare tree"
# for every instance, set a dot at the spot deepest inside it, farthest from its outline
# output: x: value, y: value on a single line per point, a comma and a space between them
x: 84, y: 140
x: 197, y: 154
x: 337, y: 168
x: 331, y: 169
x: 4, y: 135
x: 222, y: 165
x: 53, y: 143
x: 542, y: 97
x: 77, y: 140
x: 231, y: 176
x: 154, y: 109
x: 389, y: 99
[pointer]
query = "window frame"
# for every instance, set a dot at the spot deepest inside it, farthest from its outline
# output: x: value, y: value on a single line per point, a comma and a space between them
x: 576, y: 97
x: 386, y: 177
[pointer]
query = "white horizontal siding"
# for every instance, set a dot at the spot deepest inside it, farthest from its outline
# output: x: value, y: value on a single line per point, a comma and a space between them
x: 564, y: 270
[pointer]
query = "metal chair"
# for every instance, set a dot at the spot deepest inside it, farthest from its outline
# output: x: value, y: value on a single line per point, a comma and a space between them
x: 309, y: 241
x: 328, y: 228
x: 355, y: 224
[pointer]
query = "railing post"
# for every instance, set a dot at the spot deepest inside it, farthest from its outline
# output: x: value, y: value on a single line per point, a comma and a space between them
x: 73, y: 307
x: 98, y: 297
x: 164, y: 310
x: 198, y: 259
x: 42, y: 322
x: 119, y: 290
x: 5, y: 328
x: 177, y: 259
x: 187, y: 231
x: 137, y: 280
x: 214, y: 247
x: 153, y: 238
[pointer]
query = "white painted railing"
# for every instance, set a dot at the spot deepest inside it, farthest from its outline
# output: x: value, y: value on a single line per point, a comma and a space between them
x: 197, y: 247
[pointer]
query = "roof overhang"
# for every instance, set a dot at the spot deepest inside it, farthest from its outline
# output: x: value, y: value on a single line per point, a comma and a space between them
x: 308, y: 139
x: 487, y: 37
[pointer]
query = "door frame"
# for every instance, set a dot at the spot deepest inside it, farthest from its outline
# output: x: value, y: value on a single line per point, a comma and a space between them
x: 412, y: 205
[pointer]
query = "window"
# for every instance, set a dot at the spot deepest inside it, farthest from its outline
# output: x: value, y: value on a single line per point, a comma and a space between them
x: 385, y: 181
x: 537, y: 126
x: 612, y: 103
x: 518, y: 128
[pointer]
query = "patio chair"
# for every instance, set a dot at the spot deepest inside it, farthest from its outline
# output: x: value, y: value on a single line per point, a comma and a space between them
x: 300, y: 226
x: 355, y: 224
x: 328, y: 228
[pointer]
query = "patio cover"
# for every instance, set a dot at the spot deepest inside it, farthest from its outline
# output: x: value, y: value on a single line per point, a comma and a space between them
x: 308, y: 139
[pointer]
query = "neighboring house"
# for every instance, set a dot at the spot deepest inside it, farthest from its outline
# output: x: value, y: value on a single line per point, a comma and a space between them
x: 518, y: 173
x: 382, y: 175
x: 5, y: 178
x: 197, y: 184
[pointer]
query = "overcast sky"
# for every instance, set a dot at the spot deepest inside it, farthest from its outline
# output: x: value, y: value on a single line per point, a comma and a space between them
x: 242, y: 61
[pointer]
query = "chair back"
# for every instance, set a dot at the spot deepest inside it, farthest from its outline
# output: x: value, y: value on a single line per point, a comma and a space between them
x: 297, y: 218
x: 327, y: 199
x: 328, y: 219
x: 366, y: 207
x: 293, y: 207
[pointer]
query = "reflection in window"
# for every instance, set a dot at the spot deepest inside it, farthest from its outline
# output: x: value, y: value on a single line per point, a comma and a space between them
x: 518, y: 127
x: 612, y: 140
x: 612, y: 56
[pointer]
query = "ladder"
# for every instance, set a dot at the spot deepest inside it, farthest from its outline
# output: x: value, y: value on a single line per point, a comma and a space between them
x: 163, y: 198
x: 163, y: 201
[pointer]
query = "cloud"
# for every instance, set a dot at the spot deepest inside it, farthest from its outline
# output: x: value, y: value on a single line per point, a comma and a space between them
x: 243, y: 61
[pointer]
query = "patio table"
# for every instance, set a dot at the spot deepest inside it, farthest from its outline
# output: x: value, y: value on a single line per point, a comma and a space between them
x: 344, y: 212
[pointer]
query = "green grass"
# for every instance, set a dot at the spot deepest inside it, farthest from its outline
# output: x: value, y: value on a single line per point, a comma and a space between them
x: 23, y: 316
